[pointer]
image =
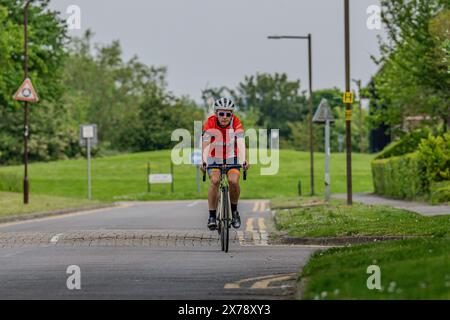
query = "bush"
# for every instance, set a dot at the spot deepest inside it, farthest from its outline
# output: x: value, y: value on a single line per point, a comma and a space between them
x: 10, y: 182
x: 408, y: 144
x: 440, y: 192
x: 399, y: 177
x: 434, y: 152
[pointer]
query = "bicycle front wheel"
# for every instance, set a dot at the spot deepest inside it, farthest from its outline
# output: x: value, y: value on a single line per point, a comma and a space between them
x: 225, y: 236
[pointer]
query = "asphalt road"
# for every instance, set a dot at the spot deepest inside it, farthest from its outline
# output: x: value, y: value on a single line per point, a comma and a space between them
x: 157, y: 250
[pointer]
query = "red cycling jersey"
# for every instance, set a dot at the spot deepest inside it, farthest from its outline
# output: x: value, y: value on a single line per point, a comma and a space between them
x: 214, y: 133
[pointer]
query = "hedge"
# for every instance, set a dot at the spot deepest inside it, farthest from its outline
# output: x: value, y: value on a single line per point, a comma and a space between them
x: 400, y: 177
x: 424, y: 174
x: 408, y: 144
x: 440, y: 192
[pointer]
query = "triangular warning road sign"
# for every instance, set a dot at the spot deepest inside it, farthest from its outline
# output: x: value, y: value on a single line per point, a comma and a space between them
x: 323, y: 113
x: 26, y: 92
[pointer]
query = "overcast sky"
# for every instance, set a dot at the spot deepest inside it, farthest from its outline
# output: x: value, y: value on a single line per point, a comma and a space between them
x: 218, y: 42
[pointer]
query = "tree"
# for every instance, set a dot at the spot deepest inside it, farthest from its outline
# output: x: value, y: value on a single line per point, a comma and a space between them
x: 273, y: 98
x: 413, y: 77
x: 50, y: 137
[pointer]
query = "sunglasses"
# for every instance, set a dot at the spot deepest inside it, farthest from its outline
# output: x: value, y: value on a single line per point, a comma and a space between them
x: 225, y: 114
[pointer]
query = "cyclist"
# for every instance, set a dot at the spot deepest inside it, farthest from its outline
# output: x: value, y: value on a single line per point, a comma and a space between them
x: 223, y: 142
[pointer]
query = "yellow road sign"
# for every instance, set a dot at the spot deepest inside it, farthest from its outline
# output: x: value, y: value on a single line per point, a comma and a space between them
x: 348, y: 97
x: 348, y: 115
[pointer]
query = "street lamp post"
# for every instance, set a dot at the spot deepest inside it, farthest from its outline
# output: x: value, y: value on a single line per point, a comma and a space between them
x: 348, y: 105
x: 310, y: 116
x: 26, y: 129
x: 361, y: 132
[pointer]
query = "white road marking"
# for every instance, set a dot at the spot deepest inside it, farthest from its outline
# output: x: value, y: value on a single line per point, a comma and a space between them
x: 193, y: 203
x: 255, y: 206
x: 55, y: 238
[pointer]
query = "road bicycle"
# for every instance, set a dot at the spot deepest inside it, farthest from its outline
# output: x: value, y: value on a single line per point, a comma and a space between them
x: 224, y: 215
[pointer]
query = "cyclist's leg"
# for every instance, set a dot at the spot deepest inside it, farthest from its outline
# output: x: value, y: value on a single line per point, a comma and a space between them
x: 233, y: 181
x: 235, y: 191
x: 213, y: 191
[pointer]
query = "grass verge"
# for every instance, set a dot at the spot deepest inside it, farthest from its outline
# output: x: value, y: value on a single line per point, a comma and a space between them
x: 311, y: 217
x: 11, y: 204
x: 417, y: 268
x: 409, y: 269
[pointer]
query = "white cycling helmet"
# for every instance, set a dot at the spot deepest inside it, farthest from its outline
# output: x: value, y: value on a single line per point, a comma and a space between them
x: 224, y: 104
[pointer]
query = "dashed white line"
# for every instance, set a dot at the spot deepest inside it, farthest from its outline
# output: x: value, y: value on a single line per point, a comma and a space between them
x: 193, y: 203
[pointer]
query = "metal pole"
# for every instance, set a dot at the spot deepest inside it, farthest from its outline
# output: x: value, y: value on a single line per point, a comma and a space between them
x: 171, y: 172
x: 361, y: 133
x: 310, y: 116
x: 311, y: 132
x: 348, y: 128
x: 26, y: 189
x: 148, y: 176
x: 198, y: 179
x: 89, y: 167
x: 327, y: 160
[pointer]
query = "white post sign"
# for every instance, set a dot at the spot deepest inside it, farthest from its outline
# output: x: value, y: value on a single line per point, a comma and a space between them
x: 88, y: 139
x: 324, y: 115
x: 160, y: 178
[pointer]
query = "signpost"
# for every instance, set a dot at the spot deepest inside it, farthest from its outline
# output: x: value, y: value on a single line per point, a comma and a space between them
x: 88, y: 139
x: 160, y: 178
x: 26, y: 93
x: 324, y: 115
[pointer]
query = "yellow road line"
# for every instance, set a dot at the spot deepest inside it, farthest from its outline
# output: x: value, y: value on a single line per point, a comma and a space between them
x: 261, y: 225
x: 263, y: 206
x: 261, y: 282
x: 264, y: 284
x: 241, y: 238
x: 249, y: 225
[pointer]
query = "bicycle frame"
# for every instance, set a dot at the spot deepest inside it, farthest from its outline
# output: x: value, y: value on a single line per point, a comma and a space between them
x: 224, y: 215
x: 221, y: 216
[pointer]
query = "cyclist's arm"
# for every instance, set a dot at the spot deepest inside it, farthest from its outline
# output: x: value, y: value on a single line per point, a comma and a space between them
x: 206, y: 145
x: 242, y: 154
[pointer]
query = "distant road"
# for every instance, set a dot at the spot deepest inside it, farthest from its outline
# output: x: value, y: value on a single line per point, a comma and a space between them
x: 424, y: 209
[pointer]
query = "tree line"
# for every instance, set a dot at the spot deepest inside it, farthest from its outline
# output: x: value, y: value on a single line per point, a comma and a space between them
x: 81, y: 82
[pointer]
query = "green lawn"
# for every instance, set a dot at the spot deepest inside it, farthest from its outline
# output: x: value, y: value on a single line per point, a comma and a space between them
x: 314, y: 218
x: 124, y: 177
x: 410, y: 269
x: 12, y: 204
